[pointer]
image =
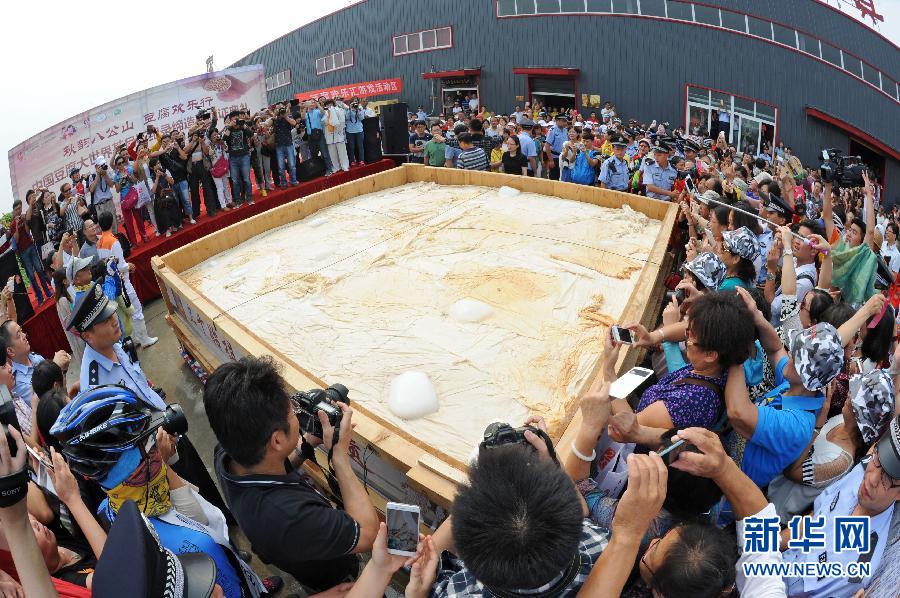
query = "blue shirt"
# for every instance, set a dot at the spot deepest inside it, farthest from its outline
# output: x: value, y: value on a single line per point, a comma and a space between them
x: 420, y: 115
x: 97, y: 370
x: 783, y: 429
x: 617, y: 180
x: 556, y: 138
x: 452, y: 153
x: 664, y: 178
x: 354, y: 120
x: 314, y: 119
x: 22, y: 376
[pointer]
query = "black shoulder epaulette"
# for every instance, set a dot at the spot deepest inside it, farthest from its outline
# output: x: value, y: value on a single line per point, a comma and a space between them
x: 94, y: 373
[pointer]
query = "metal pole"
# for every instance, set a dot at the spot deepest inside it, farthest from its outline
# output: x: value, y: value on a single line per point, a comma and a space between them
x: 751, y: 214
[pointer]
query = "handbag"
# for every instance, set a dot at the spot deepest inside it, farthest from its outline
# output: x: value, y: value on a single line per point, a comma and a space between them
x: 220, y: 168
x: 47, y: 249
x: 582, y: 173
x: 130, y: 200
x: 143, y: 193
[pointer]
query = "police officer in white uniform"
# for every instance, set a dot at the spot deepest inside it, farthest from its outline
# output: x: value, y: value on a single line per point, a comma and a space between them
x: 659, y: 177
x: 871, y: 489
x: 614, y: 172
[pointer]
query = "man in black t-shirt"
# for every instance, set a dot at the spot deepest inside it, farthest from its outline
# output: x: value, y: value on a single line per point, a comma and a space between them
x: 238, y: 137
x: 287, y: 520
x: 283, y: 124
x: 417, y: 142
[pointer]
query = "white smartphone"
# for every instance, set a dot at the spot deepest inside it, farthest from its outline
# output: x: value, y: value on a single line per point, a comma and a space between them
x: 627, y: 384
x: 622, y: 335
x: 689, y: 185
x: 402, y: 528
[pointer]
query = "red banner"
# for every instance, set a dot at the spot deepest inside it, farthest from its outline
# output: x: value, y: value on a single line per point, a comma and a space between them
x: 359, y: 90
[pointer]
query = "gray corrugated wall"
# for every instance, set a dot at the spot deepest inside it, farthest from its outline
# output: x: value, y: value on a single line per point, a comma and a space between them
x: 642, y: 65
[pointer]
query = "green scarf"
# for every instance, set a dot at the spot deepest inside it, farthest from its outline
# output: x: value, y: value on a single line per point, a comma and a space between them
x: 854, y: 271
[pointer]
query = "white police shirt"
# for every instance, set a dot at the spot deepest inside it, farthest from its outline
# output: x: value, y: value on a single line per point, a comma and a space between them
x: 839, y: 500
x: 97, y: 370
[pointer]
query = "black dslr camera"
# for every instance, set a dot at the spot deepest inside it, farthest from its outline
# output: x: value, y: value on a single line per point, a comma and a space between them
x: 499, y: 433
x: 841, y: 170
x: 307, y: 406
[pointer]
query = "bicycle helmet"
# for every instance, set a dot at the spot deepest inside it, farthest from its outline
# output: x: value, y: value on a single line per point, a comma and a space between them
x: 100, y: 424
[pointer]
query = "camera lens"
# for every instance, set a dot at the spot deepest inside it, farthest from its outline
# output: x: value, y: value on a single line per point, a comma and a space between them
x: 175, y: 422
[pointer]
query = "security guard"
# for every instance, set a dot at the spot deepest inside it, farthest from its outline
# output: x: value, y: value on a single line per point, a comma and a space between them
x: 106, y: 362
x: 557, y: 136
x: 659, y: 177
x: 690, y: 149
x: 614, y: 172
x: 872, y: 490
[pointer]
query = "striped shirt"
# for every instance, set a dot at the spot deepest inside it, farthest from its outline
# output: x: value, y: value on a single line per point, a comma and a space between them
x: 473, y: 158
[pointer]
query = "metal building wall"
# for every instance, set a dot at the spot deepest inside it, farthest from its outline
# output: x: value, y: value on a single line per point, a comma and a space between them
x: 642, y: 65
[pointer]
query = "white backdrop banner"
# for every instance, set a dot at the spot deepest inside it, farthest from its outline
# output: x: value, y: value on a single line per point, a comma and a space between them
x: 46, y: 159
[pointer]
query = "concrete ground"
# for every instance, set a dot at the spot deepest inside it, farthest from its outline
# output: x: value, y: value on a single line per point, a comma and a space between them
x: 164, y: 366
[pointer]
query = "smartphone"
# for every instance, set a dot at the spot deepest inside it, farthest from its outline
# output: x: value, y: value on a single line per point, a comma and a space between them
x: 39, y: 457
x: 670, y: 453
x: 622, y: 335
x: 689, y: 185
x: 402, y: 528
x: 634, y: 379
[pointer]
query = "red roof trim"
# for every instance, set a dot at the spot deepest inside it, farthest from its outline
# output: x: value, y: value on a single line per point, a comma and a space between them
x: 851, y: 130
x: 449, y: 74
x: 548, y: 71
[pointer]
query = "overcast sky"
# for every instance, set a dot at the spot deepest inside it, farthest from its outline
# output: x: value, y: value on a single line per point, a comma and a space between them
x: 61, y: 58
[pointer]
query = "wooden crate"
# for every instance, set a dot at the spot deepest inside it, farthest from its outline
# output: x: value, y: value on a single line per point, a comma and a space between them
x: 395, y: 466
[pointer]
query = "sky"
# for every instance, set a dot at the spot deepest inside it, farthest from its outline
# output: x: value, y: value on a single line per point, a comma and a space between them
x: 57, y: 65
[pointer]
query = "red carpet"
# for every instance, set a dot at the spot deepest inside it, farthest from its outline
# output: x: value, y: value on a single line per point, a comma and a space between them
x: 44, y: 329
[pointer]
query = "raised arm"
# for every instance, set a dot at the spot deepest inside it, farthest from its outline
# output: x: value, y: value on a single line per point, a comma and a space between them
x: 828, y: 211
x: 873, y: 307
x: 639, y: 505
x: 869, y: 203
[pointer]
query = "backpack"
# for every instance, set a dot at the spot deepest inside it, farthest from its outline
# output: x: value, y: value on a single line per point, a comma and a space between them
x: 583, y: 173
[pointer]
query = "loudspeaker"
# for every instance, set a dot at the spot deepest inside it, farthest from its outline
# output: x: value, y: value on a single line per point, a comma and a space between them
x: 396, y: 128
x: 311, y: 169
x: 371, y: 140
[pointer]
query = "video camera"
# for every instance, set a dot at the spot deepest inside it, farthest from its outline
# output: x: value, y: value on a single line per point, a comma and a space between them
x: 841, y: 170
x: 307, y: 406
x: 499, y: 433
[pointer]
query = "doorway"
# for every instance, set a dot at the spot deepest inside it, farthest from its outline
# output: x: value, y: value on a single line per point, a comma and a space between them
x: 871, y: 158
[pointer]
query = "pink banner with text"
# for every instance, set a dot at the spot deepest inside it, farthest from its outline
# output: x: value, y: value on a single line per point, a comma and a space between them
x: 46, y: 159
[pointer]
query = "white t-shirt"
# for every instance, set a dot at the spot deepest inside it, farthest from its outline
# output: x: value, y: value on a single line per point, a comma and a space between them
x: 891, y: 256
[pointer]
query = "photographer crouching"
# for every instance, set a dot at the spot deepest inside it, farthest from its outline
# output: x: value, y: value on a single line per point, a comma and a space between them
x: 288, y: 522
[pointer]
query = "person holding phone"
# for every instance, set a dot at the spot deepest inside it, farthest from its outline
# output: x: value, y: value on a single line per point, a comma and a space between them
x: 720, y: 334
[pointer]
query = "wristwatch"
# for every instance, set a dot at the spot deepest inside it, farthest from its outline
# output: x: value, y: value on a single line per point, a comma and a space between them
x: 771, y: 276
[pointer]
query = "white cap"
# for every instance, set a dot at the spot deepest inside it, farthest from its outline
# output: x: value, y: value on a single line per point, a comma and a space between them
x: 100, y: 161
x: 542, y: 123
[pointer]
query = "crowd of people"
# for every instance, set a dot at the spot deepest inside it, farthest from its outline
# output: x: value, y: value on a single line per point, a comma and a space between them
x: 776, y: 362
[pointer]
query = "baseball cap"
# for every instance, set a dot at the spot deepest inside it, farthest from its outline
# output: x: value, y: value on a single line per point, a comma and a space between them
x: 100, y: 161
x: 741, y: 242
x: 73, y: 171
x: 76, y: 265
x: 872, y: 402
x: 708, y: 196
x: 817, y: 353
x: 763, y: 178
x: 708, y: 269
